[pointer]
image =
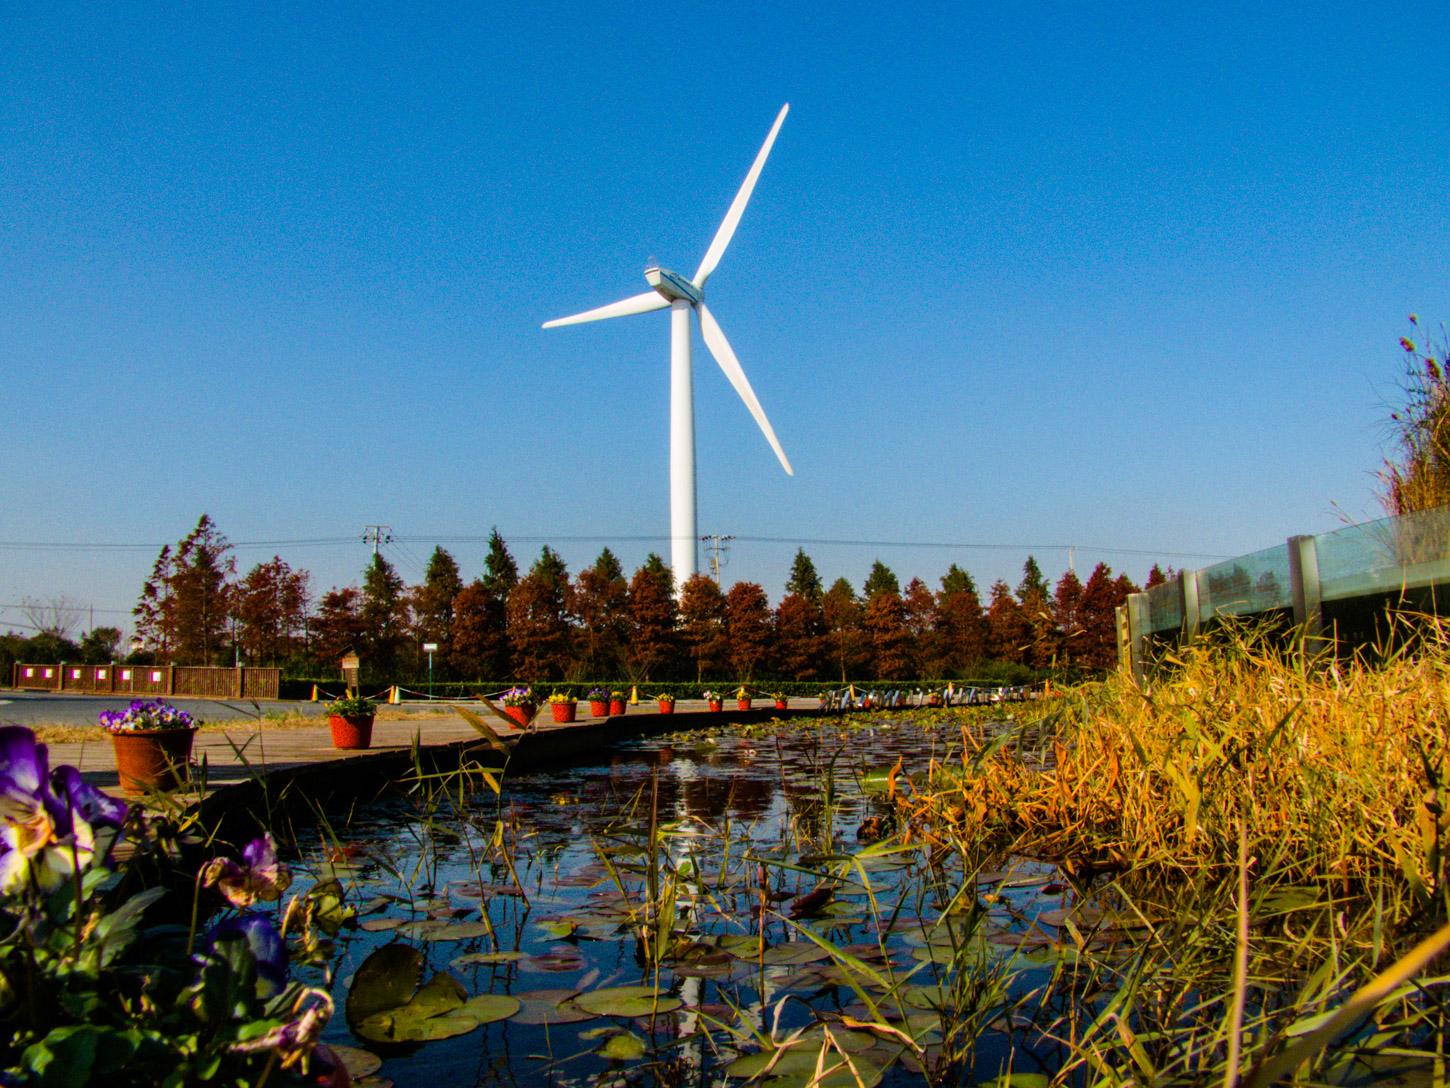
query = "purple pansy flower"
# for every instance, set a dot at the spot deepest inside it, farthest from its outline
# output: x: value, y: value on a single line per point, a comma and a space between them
x: 33, y: 821
x: 269, y: 952
x: 260, y: 876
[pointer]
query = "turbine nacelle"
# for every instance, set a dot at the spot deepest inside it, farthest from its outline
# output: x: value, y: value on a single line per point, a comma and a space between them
x: 672, y: 286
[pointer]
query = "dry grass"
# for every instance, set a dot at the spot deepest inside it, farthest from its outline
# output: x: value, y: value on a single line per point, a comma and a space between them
x: 1268, y: 844
x: 1338, y: 773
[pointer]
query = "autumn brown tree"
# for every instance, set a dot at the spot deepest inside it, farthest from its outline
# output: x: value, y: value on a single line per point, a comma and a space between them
x: 385, y: 619
x: 747, y: 626
x: 478, y: 635
x: 338, y: 627
x: 1032, y: 595
x: 1007, y: 631
x: 433, y: 603
x: 184, y: 606
x: 653, y: 620
x: 961, y: 623
x: 1067, y: 613
x: 919, y: 615
x: 601, y: 598
x: 1097, y: 610
x: 271, y: 608
x: 845, y: 637
x: 539, y: 620
x: 702, y: 627
x: 799, y: 637
x: 889, y: 641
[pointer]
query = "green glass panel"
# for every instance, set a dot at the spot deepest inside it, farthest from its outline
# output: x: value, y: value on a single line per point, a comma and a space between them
x: 1251, y: 583
x: 1383, y: 556
x: 1165, y: 608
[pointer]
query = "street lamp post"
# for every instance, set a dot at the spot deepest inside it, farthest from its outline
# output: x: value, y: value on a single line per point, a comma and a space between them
x: 430, y: 647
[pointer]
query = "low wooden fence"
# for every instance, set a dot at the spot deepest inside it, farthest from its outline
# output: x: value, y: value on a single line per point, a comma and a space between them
x: 189, y: 681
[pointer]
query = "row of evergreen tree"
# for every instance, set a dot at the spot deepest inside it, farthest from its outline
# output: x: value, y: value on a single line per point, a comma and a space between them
x: 601, y: 624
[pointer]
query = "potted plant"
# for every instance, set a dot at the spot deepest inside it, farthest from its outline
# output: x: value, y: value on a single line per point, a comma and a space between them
x: 715, y: 700
x: 617, y: 703
x: 563, y: 705
x: 599, y: 702
x: 152, y: 742
x: 782, y: 700
x: 934, y: 699
x: 667, y: 702
x: 520, y: 704
x: 351, y: 720
x: 742, y: 698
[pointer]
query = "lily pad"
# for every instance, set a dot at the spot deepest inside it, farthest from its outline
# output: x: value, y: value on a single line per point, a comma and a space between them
x: 357, y: 1061
x: 795, y: 952
x: 625, y: 1046
x: 628, y: 1001
x: 488, y: 1008
x: 379, y: 925
x: 469, y: 958
x: 457, y: 931
x: 386, y: 979
x: 549, y: 1007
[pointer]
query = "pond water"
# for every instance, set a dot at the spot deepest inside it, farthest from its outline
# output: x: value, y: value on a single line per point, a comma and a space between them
x: 692, y: 909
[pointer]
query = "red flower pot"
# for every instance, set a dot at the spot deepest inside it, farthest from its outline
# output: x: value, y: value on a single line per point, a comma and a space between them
x: 667, y: 706
x: 616, y: 706
x: 564, y: 712
x: 598, y: 707
x: 742, y: 704
x: 716, y: 706
x: 933, y: 700
x: 351, y: 731
x: 152, y: 759
x: 521, y: 714
x: 782, y: 704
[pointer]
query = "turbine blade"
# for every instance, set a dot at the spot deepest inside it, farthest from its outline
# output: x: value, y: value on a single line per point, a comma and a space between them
x: 725, y: 356
x: 737, y: 208
x: 635, y: 304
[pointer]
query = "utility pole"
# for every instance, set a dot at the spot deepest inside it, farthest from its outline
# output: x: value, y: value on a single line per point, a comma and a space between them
x: 377, y: 536
x: 716, y: 547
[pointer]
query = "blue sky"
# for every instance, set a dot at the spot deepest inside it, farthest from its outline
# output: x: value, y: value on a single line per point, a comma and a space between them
x: 1111, y: 276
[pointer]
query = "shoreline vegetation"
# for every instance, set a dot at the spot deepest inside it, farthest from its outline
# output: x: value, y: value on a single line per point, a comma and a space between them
x: 1251, y: 843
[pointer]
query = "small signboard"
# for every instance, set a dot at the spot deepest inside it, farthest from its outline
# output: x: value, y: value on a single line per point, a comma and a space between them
x: 351, y: 667
x: 430, y: 647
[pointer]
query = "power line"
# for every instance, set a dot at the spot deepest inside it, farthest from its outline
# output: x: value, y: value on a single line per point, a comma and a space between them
x: 616, y: 538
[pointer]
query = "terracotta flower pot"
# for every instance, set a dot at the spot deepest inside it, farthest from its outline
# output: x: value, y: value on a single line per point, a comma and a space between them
x: 521, y: 714
x: 782, y: 704
x: 351, y: 730
x: 716, y: 705
x: 933, y: 700
x: 152, y: 759
x: 667, y: 706
x: 564, y: 712
x: 599, y: 707
x: 616, y: 706
x: 742, y: 704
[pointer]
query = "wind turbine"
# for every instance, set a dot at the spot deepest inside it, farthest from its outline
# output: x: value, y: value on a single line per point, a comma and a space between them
x: 682, y: 296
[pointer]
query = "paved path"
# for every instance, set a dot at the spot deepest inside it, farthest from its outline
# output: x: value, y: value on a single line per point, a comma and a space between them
x: 235, y: 754
x: 71, y: 708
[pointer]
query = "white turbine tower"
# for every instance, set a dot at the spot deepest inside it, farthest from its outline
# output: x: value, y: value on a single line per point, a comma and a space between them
x: 682, y: 295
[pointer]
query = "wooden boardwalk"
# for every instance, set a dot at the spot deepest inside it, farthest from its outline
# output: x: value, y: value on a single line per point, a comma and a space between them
x: 240, y: 752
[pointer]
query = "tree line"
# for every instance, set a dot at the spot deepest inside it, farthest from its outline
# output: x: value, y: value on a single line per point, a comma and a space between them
x: 545, y: 624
